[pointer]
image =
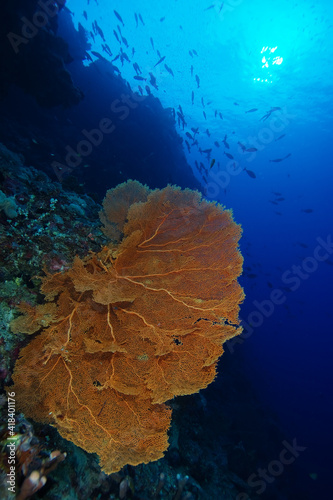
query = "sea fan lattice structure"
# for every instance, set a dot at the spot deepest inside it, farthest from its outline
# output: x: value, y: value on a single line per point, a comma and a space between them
x: 127, y: 329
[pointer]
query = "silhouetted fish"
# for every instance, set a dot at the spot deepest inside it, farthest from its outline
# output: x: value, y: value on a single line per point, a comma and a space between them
x: 141, y: 19
x: 251, y: 150
x: 225, y: 142
x: 152, y: 43
x: 281, y: 137
x: 250, y: 173
x: 159, y: 62
x: 307, y: 210
x: 169, y: 70
x: 136, y: 19
x: 197, y: 79
x: 139, y: 77
x: 152, y: 81
x: 251, y: 110
x: 118, y: 17
x: 116, y: 35
x: 229, y: 155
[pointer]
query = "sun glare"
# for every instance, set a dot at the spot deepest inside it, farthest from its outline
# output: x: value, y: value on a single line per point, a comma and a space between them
x: 268, y: 60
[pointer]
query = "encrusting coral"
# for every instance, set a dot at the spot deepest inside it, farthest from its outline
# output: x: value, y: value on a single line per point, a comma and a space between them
x: 132, y: 326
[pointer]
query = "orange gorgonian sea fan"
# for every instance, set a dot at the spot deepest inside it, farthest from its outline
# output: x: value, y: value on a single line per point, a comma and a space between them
x: 127, y: 329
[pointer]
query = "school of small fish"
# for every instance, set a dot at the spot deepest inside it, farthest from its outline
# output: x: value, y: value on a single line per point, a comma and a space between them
x: 190, y: 133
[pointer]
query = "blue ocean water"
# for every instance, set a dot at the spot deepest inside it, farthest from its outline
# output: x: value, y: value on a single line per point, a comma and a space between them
x: 249, y: 84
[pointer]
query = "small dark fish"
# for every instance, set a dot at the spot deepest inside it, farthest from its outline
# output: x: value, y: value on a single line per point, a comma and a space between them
x: 212, y: 163
x: 204, y: 115
x: 281, y: 137
x: 192, y: 96
x: 195, y: 130
x: 197, y: 79
x: 97, y: 54
x: 107, y: 49
x: 139, y: 77
x: 141, y: 19
x: 118, y: 17
x: 190, y: 53
x: 207, y: 151
x: 162, y: 19
x: 116, y: 35
x: 202, y: 102
x: 152, y: 81
x: 281, y: 159
x: 180, y: 109
x: 140, y: 89
x: 189, y: 136
x: 188, y: 146
x: 225, y: 142
x: 221, y: 7
x: 251, y: 150
x: 216, y: 144
x: 195, y: 52
x: 220, y: 115
x: 125, y: 42
x: 276, y: 193
x: 273, y: 202
x: 269, y: 284
x: 137, y: 68
x: 207, y: 132
x: 158, y: 53
x: 85, y: 15
x: 148, y: 90
x: 159, y: 62
x: 268, y: 114
x: 210, y: 7
x: 251, y: 110
x: 229, y: 156
x: 191, y: 70
x: 152, y: 43
x: 307, y: 210
x: 250, y: 173
x: 169, y: 70
x: 236, y: 104
x: 136, y: 19
x: 243, y: 148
